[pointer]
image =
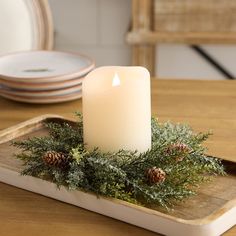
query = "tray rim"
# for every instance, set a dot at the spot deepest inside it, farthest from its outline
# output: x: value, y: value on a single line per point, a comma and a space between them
x: 35, y: 123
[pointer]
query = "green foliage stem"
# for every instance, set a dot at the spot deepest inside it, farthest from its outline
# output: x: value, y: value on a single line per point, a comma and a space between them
x: 122, y: 174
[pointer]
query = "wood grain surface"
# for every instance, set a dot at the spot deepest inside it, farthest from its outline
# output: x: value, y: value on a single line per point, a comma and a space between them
x: 202, y: 104
x: 195, y: 16
x: 153, y: 38
x: 142, y: 21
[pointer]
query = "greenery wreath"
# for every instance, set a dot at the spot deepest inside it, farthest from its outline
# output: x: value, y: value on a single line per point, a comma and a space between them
x: 170, y: 171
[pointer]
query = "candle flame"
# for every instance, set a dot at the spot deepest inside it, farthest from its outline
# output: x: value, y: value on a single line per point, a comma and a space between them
x: 116, y: 80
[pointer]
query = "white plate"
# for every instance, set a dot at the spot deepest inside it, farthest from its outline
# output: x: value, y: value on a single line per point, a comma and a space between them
x: 44, y: 100
x: 40, y: 86
x: 40, y: 94
x: 25, y: 25
x: 44, y: 66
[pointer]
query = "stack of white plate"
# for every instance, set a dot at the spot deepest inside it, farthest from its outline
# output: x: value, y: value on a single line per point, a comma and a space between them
x: 43, y: 76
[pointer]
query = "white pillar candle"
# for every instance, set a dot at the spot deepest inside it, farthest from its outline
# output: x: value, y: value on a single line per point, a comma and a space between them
x: 117, y: 109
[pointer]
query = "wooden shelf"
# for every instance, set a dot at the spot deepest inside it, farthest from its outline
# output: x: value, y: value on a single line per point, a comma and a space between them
x: 185, y: 22
x: 152, y: 38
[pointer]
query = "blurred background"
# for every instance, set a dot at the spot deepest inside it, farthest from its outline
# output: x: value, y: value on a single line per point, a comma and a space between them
x: 99, y: 29
x: 187, y: 39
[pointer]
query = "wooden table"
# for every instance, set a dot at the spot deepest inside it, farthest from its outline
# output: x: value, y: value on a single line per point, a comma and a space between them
x: 202, y: 104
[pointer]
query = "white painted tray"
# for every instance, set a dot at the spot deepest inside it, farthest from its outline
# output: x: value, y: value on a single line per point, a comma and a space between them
x: 210, y: 213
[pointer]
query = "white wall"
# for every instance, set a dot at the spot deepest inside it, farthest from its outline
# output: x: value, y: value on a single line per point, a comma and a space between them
x: 98, y: 27
x: 93, y: 27
x: 180, y: 61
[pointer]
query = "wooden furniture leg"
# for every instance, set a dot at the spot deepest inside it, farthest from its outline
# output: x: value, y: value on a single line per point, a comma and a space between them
x: 144, y: 55
x: 142, y: 13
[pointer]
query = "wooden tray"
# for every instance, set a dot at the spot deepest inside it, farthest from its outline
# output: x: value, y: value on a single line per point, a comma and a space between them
x: 211, y: 212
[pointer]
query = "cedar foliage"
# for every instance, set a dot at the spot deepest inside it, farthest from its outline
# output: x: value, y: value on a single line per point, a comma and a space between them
x: 176, y: 150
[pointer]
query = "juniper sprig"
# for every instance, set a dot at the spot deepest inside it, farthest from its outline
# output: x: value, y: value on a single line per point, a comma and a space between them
x: 177, y: 153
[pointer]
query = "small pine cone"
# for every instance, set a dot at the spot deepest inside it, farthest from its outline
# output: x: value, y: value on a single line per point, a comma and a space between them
x: 56, y: 159
x: 155, y: 175
x: 178, y: 147
x: 179, y: 158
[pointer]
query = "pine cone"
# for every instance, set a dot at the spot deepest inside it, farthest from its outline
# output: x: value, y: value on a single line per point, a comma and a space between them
x: 155, y: 175
x: 179, y: 150
x: 179, y: 158
x: 178, y: 147
x: 56, y: 159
